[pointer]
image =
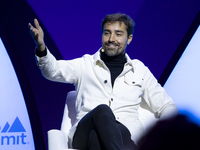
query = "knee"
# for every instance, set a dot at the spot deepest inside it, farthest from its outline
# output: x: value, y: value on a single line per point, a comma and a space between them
x: 103, y: 111
x: 103, y: 108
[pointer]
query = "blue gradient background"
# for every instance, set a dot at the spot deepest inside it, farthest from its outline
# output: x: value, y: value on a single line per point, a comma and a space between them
x: 73, y: 28
x: 160, y: 26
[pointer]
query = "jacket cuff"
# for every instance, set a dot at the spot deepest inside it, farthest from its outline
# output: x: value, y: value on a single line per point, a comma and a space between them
x: 41, y: 54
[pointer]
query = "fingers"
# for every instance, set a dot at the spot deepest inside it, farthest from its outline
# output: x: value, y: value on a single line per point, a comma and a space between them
x: 33, y: 31
x: 30, y: 26
x: 37, y: 33
x: 36, y: 23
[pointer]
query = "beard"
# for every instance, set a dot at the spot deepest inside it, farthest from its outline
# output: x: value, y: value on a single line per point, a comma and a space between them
x: 112, y: 51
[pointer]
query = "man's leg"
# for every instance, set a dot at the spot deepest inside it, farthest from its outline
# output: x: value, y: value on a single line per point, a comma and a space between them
x: 93, y: 143
x: 102, y: 120
x: 126, y: 136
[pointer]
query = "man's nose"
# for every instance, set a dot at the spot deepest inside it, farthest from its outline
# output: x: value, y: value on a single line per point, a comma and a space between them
x: 112, y: 38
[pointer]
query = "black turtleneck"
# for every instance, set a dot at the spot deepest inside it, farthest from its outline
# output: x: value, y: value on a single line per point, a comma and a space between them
x: 114, y: 63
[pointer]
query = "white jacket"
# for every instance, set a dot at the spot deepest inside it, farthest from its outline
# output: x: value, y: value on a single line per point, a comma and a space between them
x: 92, y: 82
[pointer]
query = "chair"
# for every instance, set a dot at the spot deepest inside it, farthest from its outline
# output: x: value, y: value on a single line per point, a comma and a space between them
x: 58, y: 139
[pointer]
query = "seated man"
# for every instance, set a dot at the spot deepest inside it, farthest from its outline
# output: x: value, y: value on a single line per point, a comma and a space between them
x: 110, y: 87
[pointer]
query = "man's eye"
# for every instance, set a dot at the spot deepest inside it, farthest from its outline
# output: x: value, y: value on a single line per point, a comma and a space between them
x: 106, y: 33
x: 118, y: 34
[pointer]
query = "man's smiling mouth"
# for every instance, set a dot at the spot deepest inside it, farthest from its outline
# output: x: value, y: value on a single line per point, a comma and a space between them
x: 111, y: 45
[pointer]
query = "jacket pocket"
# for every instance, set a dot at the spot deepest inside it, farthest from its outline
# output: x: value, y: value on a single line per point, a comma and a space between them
x: 133, y: 80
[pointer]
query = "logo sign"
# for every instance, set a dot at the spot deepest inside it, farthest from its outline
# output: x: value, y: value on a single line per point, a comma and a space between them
x: 14, y: 134
x: 15, y: 128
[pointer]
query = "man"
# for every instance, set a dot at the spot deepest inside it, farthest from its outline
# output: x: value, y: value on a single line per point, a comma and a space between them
x: 110, y: 87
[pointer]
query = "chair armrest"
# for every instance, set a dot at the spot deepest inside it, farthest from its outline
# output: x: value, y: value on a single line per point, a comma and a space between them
x: 57, y: 140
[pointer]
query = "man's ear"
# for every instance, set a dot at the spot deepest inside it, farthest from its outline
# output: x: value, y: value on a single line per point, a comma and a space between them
x: 130, y: 39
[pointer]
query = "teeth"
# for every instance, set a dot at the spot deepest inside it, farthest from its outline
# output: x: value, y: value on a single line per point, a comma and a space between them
x: 111, y: 45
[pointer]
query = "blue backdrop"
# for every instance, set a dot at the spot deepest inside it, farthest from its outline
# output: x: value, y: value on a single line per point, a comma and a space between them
x: 73, y: 28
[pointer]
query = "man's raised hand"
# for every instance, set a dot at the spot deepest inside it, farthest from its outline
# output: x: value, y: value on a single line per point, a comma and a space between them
x: 37, y: 35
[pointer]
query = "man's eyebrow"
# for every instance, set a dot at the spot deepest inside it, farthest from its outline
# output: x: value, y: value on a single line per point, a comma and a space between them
x: 115, y: 30
x: 107, y: 30
x: 119, y: 31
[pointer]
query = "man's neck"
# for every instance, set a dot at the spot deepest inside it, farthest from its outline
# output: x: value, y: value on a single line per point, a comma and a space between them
x: 115, y: 64
x: 120, y: 58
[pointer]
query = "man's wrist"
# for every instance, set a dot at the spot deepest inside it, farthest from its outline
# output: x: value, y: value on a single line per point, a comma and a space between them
x: 41, y: 47
x: 40, y: 53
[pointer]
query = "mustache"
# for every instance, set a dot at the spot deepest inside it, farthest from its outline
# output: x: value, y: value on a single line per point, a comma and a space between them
x: 108, y: 43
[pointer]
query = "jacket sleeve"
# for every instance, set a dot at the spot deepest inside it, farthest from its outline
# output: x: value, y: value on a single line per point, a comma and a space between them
x: 157, y: 98
x: 59, y: 70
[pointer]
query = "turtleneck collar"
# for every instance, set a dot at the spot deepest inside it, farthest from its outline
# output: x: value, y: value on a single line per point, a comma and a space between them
x: 119, y: 59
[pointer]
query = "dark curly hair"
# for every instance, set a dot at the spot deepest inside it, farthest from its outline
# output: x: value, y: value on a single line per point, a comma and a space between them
x: 128, y: 21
